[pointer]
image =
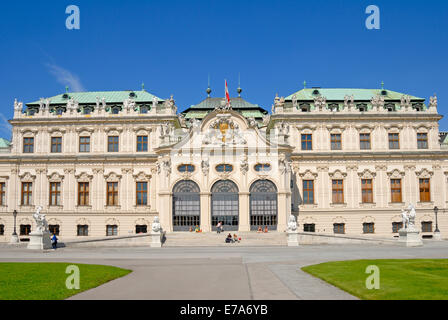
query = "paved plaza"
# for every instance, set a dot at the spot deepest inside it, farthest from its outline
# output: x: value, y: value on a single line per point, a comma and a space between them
x: 220, y: 273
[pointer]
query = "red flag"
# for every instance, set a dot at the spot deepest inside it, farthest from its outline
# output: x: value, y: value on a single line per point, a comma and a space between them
x: 227, y: 95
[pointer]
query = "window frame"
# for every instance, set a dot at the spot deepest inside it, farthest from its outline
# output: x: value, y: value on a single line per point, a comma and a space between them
x: 423, y: 141
x: 306, y: 141
x: 83, y: 194
x: 114, y: 230
x: 368, y: 227
x: 424, y: 187
x: 337, y: 193
x: 366, y: 197
x: 364, y: 143
x: 28, y: 145
x: 143, y: 193
x: 394, y: 140
x: 56, y: 145
x: 84, y: 228
x: 394, y: 187
x: 143, y: 144
x: 55, y: 195
x: 336, y: 227
x: 307, y: 190
x: 26, y: 193
x: 112, y: 194
x: 427, y: 226
x: 3, y: 194
x: 113, y: 143
x: 335, y: 142
x: 84, y: 144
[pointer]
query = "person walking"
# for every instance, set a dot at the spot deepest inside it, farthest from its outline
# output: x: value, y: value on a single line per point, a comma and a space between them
x: 54, y: 241
x: 218, y: 227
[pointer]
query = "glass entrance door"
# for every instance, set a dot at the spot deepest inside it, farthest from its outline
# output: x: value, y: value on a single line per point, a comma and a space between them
x: 186, y: 206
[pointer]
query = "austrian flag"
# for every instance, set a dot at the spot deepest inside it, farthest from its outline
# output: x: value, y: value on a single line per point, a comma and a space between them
x: 227, y: 96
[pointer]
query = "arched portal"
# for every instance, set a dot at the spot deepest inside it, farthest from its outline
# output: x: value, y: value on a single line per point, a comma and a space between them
x: 225, y: 205
x: 263, y: 205
x: 186, y: 206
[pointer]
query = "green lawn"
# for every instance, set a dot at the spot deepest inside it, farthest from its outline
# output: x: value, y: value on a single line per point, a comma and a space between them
x: 46, y: 281
x: 421, y: 279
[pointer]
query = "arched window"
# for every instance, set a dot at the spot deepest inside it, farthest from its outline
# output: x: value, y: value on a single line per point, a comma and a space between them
x: 263, y: 205
x: 225, y: 205
x: 186, y: 206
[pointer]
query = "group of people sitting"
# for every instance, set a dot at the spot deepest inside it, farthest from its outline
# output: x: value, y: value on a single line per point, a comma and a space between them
x: 260, y: 230
x: 233, y: 239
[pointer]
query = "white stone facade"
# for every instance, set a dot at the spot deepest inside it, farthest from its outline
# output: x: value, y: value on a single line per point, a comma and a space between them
x: 224, y: 137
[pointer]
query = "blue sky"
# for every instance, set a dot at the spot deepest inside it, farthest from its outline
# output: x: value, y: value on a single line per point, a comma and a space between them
x: 172, y: 46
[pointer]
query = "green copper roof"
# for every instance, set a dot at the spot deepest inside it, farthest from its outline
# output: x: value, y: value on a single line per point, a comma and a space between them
x: 339, y: 94
x: 110, y: 96
x: 237, y: 103
x: 4, y: 143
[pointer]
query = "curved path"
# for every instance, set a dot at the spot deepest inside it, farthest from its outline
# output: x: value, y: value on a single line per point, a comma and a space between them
x: 220, y: 273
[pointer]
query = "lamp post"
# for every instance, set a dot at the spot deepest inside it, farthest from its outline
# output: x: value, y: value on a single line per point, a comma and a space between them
x: 14, y: 237
x: 437, y: 231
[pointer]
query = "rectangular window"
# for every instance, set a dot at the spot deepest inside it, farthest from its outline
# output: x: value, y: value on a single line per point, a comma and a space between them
x: 112, y: 193
x: 396, y: 226
x: 56, y: 145
x: 364, y: 139
x: 338, y: 191
x: 54, y: 229
x: 83, y: 194
x: 339, y: 228
x: 25, y: 229
x: 395, y: 188
x: 28, y: 145
x: 394, y: 141
x: 142, y: 143
x: 367, y: 190
x: 425, y: 195
x: 111, y: 230
x: 142, y: 193
x: 426, y: 226
x: 307, y: 142
x: 2, y: 230
x: 309, y: 227
x: 84, y: 144
x: 336, y: 141
x: 308, y: 192
x: 422, y: 140
x: 112, y: 143
x: 55, y: 194
x: 27, y: 193
x: 2, y: 194
x: 141, y: 229
x: 82, y: 230
x: 368, y: 227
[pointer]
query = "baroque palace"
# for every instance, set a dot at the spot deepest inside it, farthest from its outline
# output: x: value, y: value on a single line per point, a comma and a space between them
x: 344, y: 161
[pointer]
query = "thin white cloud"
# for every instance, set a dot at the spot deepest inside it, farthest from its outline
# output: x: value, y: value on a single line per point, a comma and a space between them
x: 66, y: 78
x: 5, y: 127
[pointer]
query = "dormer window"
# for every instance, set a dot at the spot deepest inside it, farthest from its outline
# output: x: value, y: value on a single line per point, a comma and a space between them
x: 384, y: 92
x: 32, y: 111
x: 334, y: 107
x: 87, y: 110
x: 418, y: 107
x: 390, y: 107
x: 132, y: 95
x: 115, y: 110
x: 362, y: 107
x: 316, y: 92
x: 304, y: 107
x: 144, y: 109
x: 65, y: 96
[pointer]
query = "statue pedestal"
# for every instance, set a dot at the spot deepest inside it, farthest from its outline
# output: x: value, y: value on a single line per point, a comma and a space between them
x: 410, y: 237
x: 437, y: 236
x: 39, y: 240
x: 156, y: 239
x: 14, y: 239
x: 293, y: 238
